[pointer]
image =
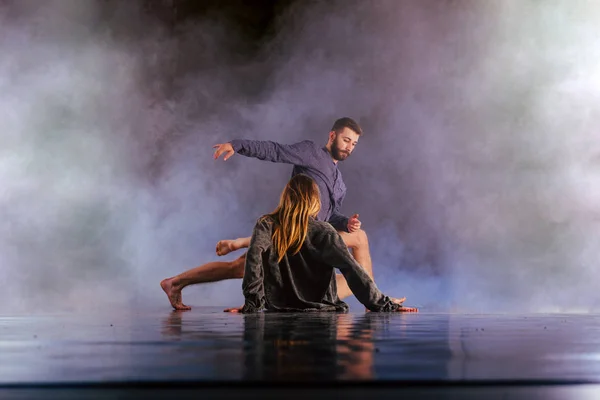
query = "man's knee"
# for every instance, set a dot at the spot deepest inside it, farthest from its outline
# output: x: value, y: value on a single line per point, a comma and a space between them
x: 360, y: 239
x: 237, y: 267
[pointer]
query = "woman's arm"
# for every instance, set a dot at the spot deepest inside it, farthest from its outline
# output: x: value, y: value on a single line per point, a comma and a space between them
x: 335, y: 252
x: 252, y: 284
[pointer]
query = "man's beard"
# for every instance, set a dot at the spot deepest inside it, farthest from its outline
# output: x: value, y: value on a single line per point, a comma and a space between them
x: 338, y: 154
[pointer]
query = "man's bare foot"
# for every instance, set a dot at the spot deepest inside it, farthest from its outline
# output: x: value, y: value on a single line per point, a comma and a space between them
x: 174, y: 294
x: 227, y: 246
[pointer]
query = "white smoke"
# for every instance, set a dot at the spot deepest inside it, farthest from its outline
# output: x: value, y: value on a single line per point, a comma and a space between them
x: 475, y: 178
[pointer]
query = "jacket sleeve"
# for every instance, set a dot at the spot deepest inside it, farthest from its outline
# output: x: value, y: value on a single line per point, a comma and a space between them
x: 298, y: 153
x: 252, y: 284
x: 335, y: 253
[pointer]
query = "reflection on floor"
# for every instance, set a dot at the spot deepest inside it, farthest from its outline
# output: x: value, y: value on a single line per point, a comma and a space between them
x: 162, y: 350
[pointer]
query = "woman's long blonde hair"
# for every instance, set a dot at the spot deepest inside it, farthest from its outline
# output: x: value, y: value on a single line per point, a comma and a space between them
x: 299, y: 202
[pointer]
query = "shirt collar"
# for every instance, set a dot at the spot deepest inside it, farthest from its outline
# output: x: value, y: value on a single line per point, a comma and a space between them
x: 324, y: 148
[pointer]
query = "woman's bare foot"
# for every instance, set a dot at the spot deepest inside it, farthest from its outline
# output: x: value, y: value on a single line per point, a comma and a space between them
x: 227, y: 246
x: 174, y: 294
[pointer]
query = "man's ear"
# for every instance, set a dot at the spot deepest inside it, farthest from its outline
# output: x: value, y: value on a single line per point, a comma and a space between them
x: 331, y: 136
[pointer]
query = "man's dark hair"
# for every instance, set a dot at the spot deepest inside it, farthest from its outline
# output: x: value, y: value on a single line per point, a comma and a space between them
x: 346, y: 122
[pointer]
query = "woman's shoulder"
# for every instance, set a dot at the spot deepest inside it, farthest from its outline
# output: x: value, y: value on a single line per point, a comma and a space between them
x: 265, y: 222
x: 321, y: 226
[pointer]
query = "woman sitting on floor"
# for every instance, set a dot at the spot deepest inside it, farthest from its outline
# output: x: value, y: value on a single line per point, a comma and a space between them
x: 291, y: 261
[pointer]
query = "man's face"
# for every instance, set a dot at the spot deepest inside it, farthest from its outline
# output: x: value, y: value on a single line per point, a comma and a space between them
x: 343, y: 144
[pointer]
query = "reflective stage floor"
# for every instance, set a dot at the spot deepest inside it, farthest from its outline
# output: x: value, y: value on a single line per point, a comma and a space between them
x: 208, y: 353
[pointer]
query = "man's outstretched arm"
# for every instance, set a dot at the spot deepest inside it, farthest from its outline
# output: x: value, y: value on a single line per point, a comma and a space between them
x: 298, y: 153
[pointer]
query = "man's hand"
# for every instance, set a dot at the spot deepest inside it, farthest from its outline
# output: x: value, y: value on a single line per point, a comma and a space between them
x: 233, y: 310
x: 223, y: 148
x: 353, y: 223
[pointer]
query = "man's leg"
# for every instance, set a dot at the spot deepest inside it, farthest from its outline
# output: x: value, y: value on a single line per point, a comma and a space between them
x: 227, y: 246
x: 211, y: 272
x: 358, y: 243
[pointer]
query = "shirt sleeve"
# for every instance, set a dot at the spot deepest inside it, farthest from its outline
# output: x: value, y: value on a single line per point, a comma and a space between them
x: 335, y: 252
x: 252, y: 284
x: 297, y: 153
x: 339, y: 221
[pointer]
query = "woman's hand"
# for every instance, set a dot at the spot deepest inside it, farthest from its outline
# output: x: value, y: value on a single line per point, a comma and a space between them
x: 233, y: 309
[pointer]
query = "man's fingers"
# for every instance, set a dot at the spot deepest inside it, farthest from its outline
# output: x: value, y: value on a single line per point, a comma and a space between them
x: 221, y: 149
x: 354, y: 225
x: 216, y: 155
x: 355, y: 216
x: 399, y: 301
x: 228, y: 154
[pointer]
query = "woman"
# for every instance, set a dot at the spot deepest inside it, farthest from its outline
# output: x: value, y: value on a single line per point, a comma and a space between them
x: 291, y: 261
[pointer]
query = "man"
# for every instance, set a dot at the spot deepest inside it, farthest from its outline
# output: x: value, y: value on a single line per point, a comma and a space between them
x: 321, y: 164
